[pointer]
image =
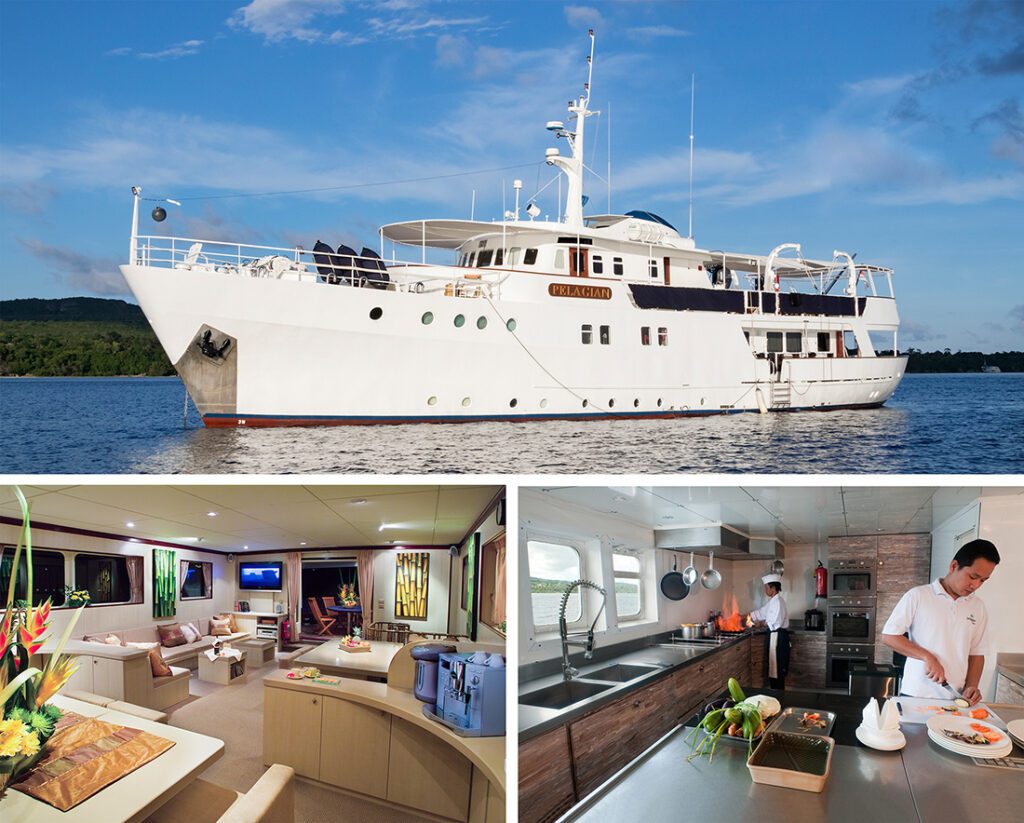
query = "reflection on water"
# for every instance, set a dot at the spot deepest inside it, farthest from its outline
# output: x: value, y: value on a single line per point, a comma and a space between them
x: 934, y: 424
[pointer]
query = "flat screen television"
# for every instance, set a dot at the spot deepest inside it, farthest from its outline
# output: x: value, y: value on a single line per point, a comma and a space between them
x: 260, y: 577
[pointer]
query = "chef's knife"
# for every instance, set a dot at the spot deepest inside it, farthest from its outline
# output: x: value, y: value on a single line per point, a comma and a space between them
x: 955, y: 693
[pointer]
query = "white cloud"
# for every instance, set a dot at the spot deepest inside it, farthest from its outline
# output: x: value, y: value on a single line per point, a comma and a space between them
x: 186, y: 48
x: 650, y: 32
x: 277, y: 20
x: 959, y: 192
x: 583, y: 16
x: 451, y: 50
x: 881, y: 86
x: 92, y: 274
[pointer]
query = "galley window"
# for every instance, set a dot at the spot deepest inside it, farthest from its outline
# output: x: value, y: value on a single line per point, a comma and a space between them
x: 774, y: 341
x: 109, y: 578
x: 195, y: 580
x: 794, y: 341
x: 662, y: 335
x: 606, y: 335
x: 645, y: 335
x: 553, y: 566
x: 587, y: 334
x: 530, y: 257
x: 617, y: 266
x: 48, y: 579
x: 824, y: 341
x: 499, y: 257
x: 628, y: 586
x: 597, y: 264
x: 485, y: 258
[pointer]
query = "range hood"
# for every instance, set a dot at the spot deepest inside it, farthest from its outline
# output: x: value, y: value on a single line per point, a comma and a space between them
x: 725, y: 542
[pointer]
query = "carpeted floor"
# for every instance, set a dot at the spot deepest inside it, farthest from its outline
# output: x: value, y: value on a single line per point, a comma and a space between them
x: 234, y: 714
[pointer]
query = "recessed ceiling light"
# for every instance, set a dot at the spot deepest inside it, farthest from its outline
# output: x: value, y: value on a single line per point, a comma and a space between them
x: 211, y: 514
x: 245, y: 547
x: 302, y: 544
x: 189, y: 539
x: 130, y: 525
x: 358, y: 501
x: 668, y: 517
x: 133, y: 539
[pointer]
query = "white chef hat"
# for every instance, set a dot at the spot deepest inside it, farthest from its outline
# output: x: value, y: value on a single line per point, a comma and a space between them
x: 772, y: 578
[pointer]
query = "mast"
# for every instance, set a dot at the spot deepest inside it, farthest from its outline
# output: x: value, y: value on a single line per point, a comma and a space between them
x: 579, y: 109
x: 692, y: 83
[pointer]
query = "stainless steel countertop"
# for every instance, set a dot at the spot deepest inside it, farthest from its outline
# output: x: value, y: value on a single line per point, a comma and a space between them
x: 1011, y: 666
x: 534, y: 721
x: 923, y: 782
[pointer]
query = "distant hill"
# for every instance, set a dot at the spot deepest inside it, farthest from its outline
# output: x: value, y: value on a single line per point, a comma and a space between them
x: 78, y: 337
x: 962, y: 362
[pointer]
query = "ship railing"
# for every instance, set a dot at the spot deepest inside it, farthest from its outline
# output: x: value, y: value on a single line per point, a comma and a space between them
x: 299, y: 264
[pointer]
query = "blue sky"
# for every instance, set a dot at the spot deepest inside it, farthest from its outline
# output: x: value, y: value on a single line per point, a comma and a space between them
x: 890, y: 129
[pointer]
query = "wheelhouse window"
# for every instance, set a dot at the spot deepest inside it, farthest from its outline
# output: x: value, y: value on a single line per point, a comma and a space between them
x: 824, y: 341
x: 105, y: 576
x: 587, y: 334
x: 196, y: 580
x: 553, y: 566
x: 662, y: 335
x: 499, y: 257
x: 645, y: 335
x: 485, y: 258
x: 530, y: 257
x: 794, y: 341
x: 48, y: 578
x: 628, y: 600
x: 606, y: 335
x: 617, y: 268
x: 597, y: 264
x: 472, y: 259
x: 774, y: 341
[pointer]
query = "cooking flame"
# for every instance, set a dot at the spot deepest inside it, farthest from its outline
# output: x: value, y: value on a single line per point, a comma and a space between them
x: 731, y: 620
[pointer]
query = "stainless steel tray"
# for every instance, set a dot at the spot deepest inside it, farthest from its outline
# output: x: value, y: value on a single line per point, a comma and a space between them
x: 788, y: 720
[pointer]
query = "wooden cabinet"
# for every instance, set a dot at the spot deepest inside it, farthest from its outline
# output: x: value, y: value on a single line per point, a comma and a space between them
x: 1007, y: 691
x: 82, y: 679
x: 904, y: 561
x: 108, y: 677
x: 427, y: 774
x: 291, y: 730
x: 545, y: 777
x: 354, y: 747
x: 604, y: 742
x: 807, y: 660
x: 758, y: 659
x: 864, y: 546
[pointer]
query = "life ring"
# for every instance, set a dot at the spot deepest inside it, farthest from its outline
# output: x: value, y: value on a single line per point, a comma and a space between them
x: 776, y: 284
x: 472, y: 276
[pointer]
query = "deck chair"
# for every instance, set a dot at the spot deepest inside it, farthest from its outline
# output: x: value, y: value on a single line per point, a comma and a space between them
x: 328, y: 264
x: 329, y: 601
x: 346, y: 259
x: 325, y: 622
x: 372, y: 269
x: 191, y: 257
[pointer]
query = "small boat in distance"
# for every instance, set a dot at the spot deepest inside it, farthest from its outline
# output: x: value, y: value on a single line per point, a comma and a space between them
x: 588, y: 317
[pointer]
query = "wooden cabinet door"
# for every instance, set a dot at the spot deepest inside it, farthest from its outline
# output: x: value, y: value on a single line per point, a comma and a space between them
x: 758, y: 662
x: 426, y: 773
x: 291, y: 730
x: 82, y: 679
x: 807, y: 661
x: 354, y: 745
x: 545, y: 777
x: 604, y: 742
x: 108, y: 677
x: 904, y: 561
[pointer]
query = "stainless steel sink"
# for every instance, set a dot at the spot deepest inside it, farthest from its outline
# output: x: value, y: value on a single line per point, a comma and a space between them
x: 563, y: 694
x: 620, y: 672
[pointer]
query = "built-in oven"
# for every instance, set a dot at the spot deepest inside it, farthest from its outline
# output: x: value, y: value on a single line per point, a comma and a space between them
x: 851, y: 619
x: 838, y: 659
x: 851, y: 577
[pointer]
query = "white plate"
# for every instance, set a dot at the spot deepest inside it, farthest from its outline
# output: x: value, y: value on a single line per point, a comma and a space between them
x: 937, y: 724
x: 886, y: 742
x: 1016, y: 730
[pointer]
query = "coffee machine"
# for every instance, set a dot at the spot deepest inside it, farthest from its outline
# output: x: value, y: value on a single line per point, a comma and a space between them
x: 470, y: 694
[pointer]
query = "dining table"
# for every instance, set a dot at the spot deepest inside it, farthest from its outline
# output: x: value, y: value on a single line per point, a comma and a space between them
x: 136, y: 795
x: 346, y: 612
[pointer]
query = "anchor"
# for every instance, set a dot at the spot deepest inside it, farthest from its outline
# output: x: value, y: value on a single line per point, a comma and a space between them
x: 211, y: 349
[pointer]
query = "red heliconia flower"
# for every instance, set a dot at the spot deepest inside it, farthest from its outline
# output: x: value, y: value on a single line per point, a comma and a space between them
x: 34, y: 627
x: 6, y: 634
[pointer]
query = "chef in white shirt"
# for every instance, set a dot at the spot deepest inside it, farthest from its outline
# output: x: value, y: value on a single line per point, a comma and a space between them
x: 775, y: 616
x: 946, y: 625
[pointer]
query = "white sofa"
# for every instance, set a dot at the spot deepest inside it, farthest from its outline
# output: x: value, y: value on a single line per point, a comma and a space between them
x: 186, y: 655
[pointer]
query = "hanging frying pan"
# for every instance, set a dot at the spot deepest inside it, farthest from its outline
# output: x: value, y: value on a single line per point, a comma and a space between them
x: 711, y: 579
x: 672, y: 584
x: 690, y: 573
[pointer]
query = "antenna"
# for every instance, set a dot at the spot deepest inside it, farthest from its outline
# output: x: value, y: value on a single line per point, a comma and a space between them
x: 590, y: 65
x: 692, y: 85
x: 472, y: 206
x: 609, y: 157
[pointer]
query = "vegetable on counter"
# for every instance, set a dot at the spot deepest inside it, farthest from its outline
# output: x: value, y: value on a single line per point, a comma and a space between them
x: 740, y: 716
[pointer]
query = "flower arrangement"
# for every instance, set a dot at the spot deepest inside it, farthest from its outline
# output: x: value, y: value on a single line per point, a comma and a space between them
x: 347, y: 596
x: 76, y: 597
x: 26, y: 720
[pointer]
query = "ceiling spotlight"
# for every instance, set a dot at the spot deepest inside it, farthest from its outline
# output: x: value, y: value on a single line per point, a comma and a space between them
x: 302, y: 544
x: 130, y: 525
x: 358, y: 501
x: 211, y: 514
x: 245, y: 547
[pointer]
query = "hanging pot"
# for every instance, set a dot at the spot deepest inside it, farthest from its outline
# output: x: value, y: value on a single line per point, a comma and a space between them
x: 672, y: 584
x: 690, y: 573
x: 711, y: 579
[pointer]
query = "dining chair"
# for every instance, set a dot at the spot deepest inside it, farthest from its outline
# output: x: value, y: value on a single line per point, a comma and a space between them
x: 325, y: 622
x: 329, y: 601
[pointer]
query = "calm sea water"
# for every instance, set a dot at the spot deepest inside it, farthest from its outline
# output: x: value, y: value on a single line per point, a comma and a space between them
x: 933, y: 424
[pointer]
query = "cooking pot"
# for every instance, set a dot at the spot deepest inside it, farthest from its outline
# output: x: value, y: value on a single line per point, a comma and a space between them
x: 692, y: 631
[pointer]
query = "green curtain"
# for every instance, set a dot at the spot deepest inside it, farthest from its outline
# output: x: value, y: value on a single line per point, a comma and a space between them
x: 164, y: 581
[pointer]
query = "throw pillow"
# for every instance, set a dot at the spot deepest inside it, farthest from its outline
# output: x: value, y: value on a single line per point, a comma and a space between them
x: 220, y: 627
x: 106, y: 640
x: 170, y: 635
x: 231, y: 621
x: 143, y: 646
x: 156, y: 663
x: 113, y: 640
x: 191, y: 633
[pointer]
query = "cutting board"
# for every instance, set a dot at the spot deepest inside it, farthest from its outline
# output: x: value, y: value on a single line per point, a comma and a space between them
x: 914, y: 710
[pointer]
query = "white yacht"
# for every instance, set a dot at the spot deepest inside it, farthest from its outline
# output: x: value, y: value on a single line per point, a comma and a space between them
x: 586, y: 317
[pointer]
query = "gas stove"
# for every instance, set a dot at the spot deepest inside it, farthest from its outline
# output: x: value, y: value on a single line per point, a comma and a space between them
x: 717, y: 640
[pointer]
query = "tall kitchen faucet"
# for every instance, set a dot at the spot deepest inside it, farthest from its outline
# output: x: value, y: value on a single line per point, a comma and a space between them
x: 568, y: 671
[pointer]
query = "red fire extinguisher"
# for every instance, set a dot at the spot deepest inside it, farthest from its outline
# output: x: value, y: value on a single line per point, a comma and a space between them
x: 820, y: 580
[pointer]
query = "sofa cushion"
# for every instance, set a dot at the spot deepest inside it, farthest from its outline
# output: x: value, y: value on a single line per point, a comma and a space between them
x: 231, y: 620
x: 108, y: 639
x: 143, y: 634
x: 171, y: 635
x: 220, y: 628
x: 191, y: 633
x: 144, y: 646
x: 156, y: 663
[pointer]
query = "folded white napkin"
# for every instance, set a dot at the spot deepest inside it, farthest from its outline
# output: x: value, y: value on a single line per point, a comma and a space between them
x: 886, y: 722
x: 871, y: 717
x: 890, y: 717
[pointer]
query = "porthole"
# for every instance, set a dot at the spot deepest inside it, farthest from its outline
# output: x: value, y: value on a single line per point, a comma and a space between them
x: 659, y: 402
x: 432, y: 400
x: 611, y: 403
x: 459, y: 321
x: 428, y: 318
x: 513, y: 403
x: 466, y: 401
x: 636, y: 402
x: 702, y: 401
x: 376, y: 313
x: 481, y: 322
x: 510, y: 324
x: 586, y: 403
x: 543, y: 402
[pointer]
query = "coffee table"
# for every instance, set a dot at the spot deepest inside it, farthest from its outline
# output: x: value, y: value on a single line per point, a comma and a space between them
x: 222, y: 670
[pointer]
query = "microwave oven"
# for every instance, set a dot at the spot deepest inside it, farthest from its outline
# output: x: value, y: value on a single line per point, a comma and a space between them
x: 851, y: 578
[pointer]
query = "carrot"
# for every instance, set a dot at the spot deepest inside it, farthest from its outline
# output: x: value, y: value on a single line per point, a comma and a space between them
x: 979, y: 714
